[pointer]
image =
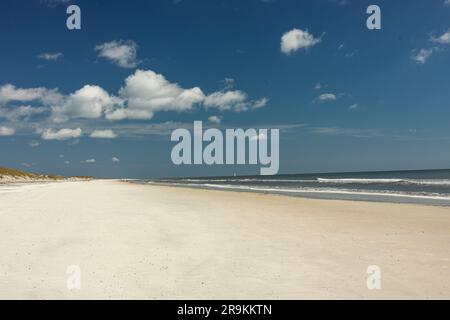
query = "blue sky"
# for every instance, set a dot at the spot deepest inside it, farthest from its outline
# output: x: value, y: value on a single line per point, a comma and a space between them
x: 345, y: 98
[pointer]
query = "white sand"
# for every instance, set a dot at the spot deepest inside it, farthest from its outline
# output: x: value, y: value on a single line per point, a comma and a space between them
x: 147, y: 242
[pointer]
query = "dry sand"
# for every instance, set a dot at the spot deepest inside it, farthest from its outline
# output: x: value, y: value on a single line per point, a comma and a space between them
x: 144, y: 242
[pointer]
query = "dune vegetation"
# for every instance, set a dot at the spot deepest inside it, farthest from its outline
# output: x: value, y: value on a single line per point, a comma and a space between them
x: 9, y: 174
x: 16, y: 173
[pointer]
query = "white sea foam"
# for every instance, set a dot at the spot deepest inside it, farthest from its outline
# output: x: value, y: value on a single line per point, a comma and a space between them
x: 318, y: 191
x: 429, y: 182
x: 249, y: 180
x: 425, y: 182
x: 361, y: 181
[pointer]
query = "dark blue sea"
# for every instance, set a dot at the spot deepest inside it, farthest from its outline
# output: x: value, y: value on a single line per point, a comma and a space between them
x: 421, y: 186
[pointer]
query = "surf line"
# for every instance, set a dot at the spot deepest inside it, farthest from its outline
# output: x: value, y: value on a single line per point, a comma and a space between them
x: 248, y: 146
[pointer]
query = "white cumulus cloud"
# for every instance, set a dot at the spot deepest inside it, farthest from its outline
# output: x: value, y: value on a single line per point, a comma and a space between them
x: 144, y: 93
x: 62, y: 134
x: 90, y: 102
x: 7, y: 131
x: 9, y: 92
x: 147, y: 92
x: 103, y: 134
x: 297, y: 39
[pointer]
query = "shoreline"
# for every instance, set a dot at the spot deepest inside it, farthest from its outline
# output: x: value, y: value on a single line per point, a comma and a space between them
x: 344, y: 195
x: 136, y: 241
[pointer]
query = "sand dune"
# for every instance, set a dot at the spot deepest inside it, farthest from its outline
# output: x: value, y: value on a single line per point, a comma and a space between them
x: 145, y: 242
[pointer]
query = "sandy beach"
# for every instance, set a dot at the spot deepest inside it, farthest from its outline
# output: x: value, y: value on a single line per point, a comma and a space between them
x: 153, y: 242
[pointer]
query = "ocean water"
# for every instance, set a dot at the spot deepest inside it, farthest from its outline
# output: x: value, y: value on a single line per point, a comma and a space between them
x: 422, y: 186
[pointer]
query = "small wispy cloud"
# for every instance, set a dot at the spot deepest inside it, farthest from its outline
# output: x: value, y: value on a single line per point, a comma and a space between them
x: 90, y: 161
x: 443, y: 38
x: 260, y: 137
x: 340, y: 2
x: 115, y: 159
x: 325, y: 97
x: 20, y: 113
x: 121, y: 53
x: 50, y: 56
x: 54, y: 3
x: 351, y: 54
x: 421, y: 56
x: 235, y: 100
x: 227, y: 83
x: 34, y: 144
x: 215, y: 119
x: 357, y: 133
x: 28, y: 165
